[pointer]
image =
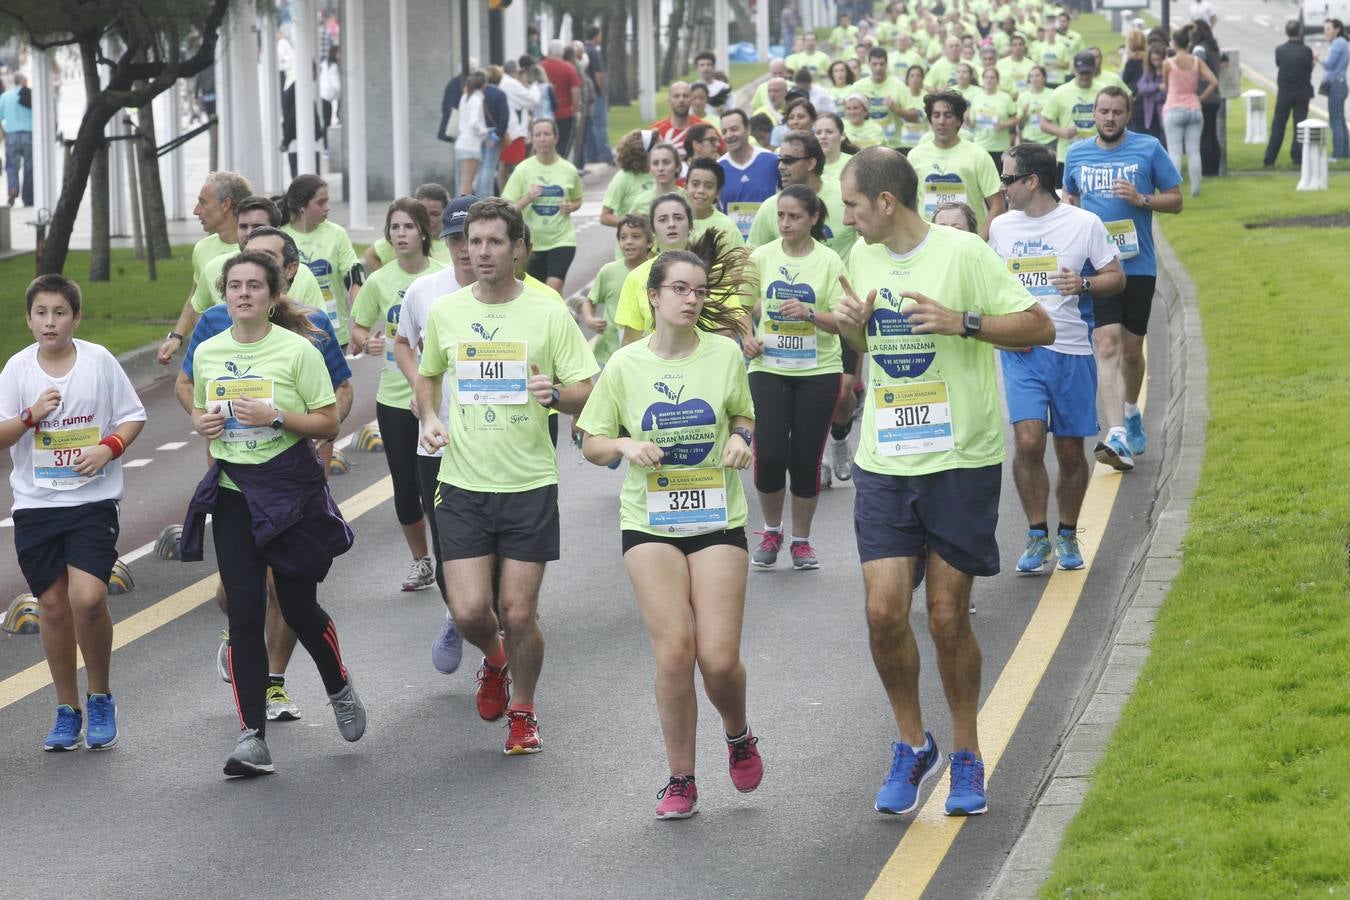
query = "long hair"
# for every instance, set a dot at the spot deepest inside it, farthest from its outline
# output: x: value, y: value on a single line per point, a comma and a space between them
x: 729, y: 271
x: 301, y: 190
x: 285, y: 312
x: 415, y: 211
x: 811, y: 202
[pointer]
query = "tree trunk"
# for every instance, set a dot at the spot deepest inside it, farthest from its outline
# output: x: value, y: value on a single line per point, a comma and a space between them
x: 100, y: 227
x: 673, y: 28
x: 152, y: 190
x: 614, y: 24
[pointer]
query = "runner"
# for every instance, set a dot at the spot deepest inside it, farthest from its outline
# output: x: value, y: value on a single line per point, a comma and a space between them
x: 663, y: 160
x: 630, y: 190
x: 913, y: 122
x: 448, y: 646
x: 254, y: 212
x: 434, y: 199
x: 954, y: 170
x: 408, y: 231
x: 676, y: 406
x: 1030, y: 104
x: 802, y: 161
x: 325, y: 248
x: 958, y: 216
x: 930, y: 459
x: 703, y: 185
x: 1065, y: 258
x: 858, y: 128
x: 1123, y: 177
x: 829, y: 131
x: 671, y: 223
x: 1068, y: 114
x: 751, y: 172
x: 546, y: 190
x: 260, y: 392
x: 795, y: 376
x: 511, y: 354
x: 884, y: 93
x: 635, y: 243
x: 1014, y: 70
x: 993, y: 112
x: 67, y: 484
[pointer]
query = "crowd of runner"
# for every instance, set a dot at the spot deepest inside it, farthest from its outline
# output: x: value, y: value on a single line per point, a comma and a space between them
x: 938, y: 195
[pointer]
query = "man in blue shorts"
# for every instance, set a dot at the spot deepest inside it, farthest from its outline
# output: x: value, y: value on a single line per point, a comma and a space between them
x: 1064, y: 258
x: 1123, y: 177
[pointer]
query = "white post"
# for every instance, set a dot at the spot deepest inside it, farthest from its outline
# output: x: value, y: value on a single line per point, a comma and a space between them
x: 168, y: 125
x: 400, y: 124
x: 1255, y: 102
x: 225, y: 103
x: 117, y: 216
x: 646, y: 60
x: 1314, y: 135
x: 354, y: 111
x: 305, y: 49
x: 476, y: 33
x: 244, y: 137
x: 762, y: 37
x: 269, y: 104
x: 514, y: 24
x: 545, y: 26
x: 45, y: 149
x: 721, y: 26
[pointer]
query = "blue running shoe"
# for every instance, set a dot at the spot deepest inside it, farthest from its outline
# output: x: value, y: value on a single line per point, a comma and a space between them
x: 1114, y: 453
x: 1066, y: 548
x: 448, y: 648
x: 900, y: 792
x: 967, y: 794
x: 1032, y: 560
x: 1134, y: 434
x: 102, y: 732
x: 66, y: 732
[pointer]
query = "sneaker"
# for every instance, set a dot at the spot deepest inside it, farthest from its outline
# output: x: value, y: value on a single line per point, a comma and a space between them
x: 841, y: 460
x: 102, y: 731
x: 1134, y: 434
x: 1114, y: 453
x: 448, y: 648
x: 349, y: 711
x: 223, y: 656
x: 280, y: 706
x: 250, y: 757
x: 826, y: 482
x: 421, y: 575
x: 66, y: 732
x: 803, y: 555
x: 1066, y: 548
x: 1032, y: 560
x: 899, y: 794
x: 745, y: 765
x: 967, y: 794
x: 494, y: 691
x: 522, y: 733
x: 679, y: 798
x: 766, y: 554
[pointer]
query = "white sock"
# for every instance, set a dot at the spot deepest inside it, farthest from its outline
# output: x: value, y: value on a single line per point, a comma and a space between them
x: 1131, y: 409
x: 1117, y: 431
x: 774, y: 529
x: 800, y: 540
x: 922, y: 748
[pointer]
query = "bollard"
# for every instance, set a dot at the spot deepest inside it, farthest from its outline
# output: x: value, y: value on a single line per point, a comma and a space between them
x: 22, y: 616
x: 1313, y: 134
x: 1257, y: 130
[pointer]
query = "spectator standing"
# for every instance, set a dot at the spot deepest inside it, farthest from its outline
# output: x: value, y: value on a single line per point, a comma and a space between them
x: 1150, y: 93
x: 1294, y: 70
x: 497, y: 117
x: 16, y: 122
x: 289, y: 142
x: 673, y: 127
x: 576, y: 55
x: 1333, y: 68
x: 473, y: 128
x: 521, y: 101
x: 1182, y: 118
x: 330, y: 88
x: 566, y: 83
x: 596, y: 146
x: 788, y: 23
x: 1206, y: 49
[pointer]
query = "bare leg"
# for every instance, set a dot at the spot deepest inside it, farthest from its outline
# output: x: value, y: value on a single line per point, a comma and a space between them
x: 1073, y: 477
x: 1132, y: 364
x: 717, y: 593
x: 416, y: 537
x: 93, y: 626
x: 469, y: 583
x: 57, y: 630
x: 1029, y: 474
x: 1110, y: 380
x: 803, y: 512
x: 661, y: 582
x: 772, y: 507
x: 895, y: 653
x: 520, y: 619
x: 958, y: 652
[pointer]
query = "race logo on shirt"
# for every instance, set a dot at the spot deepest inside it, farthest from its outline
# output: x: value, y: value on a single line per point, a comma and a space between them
x: 550, y: 196
x: 891, y: 340
x: 686, y: 430
x: 788, y: 288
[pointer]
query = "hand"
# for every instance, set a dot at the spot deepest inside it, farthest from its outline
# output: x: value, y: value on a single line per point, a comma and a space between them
x: 253, y: 412
x: 433, y: 436
x: 567, y: 207
x: 541, y: 386
x: 91, y: 460
x: 533, y: 192
x: 641, y: 453
x: 751, y: 346
x: 212, y: 423
x: 855, y: 313
x: 1124, y: 189
x: 927, y: 316
x: 1066, y: 282
x: 414, y: 408
x: 46, y: 403
x: 167, y: 350
x: 736, y: 454
x: 595, y: 323
x: 795, y: 309
x: 374, y: 345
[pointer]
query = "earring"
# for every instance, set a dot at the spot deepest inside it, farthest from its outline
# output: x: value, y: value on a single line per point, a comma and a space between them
x: 271, y: 311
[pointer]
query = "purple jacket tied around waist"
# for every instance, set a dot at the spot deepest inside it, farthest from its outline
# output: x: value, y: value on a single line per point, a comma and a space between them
x: 297, y: 527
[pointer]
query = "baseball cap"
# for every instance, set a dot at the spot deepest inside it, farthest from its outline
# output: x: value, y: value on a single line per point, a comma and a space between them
x: 1084, y: 62
x: 452, y: 220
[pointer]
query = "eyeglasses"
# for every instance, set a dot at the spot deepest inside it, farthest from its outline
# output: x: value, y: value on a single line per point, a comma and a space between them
x: 683, y: 290
x: 789, y: 160
x: 1009, y: 180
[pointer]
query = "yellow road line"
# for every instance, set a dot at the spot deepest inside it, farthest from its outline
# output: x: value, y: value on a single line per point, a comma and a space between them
x: 36, y: 677
x: 926, y: 842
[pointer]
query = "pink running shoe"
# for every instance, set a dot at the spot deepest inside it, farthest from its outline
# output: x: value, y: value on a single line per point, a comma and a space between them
x: 766, y: 554
x: 746, y: 767
x: 679, y: 798
x: 803, y: 556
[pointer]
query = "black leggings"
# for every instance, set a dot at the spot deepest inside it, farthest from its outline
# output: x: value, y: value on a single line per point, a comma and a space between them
x: 792, y: 418
x: 428, y: 476
x: 244, y: 577
x: 399, y: 431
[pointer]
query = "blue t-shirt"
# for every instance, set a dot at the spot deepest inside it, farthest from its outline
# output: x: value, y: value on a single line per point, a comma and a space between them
x: 217, y: 319
x: 14, y: 116
x: 757, y: 182
x: 1090, y: 171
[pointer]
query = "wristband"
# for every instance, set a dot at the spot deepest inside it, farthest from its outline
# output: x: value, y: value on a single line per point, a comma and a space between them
x: 114, y: 443
x: 744, y: 434
x: 26, y: 417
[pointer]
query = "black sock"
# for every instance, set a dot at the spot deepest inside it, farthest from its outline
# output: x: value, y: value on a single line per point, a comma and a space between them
x: 1068, y: 527
x: 1039, y: 526
x: 276, y: 680
x: 839, y: 432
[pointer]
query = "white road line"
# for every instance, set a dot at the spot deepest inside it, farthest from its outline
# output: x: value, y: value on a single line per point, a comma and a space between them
x: 136, y: 554
x: 137, y: 463
x: 1263, y: 21
x: 7, y: 523
x: 172, y: 445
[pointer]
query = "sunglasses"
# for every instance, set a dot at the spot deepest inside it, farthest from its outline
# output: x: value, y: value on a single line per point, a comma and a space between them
x: 789, y: 160
x: 1013, y: 179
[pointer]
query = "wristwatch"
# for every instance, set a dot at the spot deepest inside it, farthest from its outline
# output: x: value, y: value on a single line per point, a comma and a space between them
x: 1087, y: 286
x: 972, y: 321
x: 26, y: 417
x: 172, y: 335
x: 744, y: 434
x: 278, y: 422
x: 557, y: 395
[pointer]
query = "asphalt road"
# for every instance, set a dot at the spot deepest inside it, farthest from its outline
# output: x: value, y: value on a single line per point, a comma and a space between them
x: 427, y: 804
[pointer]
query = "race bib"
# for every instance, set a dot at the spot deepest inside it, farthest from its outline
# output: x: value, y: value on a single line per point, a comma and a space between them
x: 1125, y: 237
x: 913, y: 418
x: 55, y: 454
x: 985, y: 123
x: 1034, y: 120
x: 789, y: 344
x: 488, y: 372
x: 686, y: 502
x: 743, y: 214
x: 911, y: 133
x: 1034, y: 272
x: 226, y: 391
x: 936, y: 193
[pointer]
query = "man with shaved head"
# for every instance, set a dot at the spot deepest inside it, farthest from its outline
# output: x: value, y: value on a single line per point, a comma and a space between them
x: 673, y: 127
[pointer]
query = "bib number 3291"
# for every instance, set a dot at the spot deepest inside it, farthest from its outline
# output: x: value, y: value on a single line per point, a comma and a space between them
x: 687, y: 502
x: 913, y: 418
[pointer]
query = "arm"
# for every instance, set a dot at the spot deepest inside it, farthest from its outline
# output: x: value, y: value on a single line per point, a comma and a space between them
x: 1029, y: 328
x: 571, y: 397
x: 1168, y: 201
x: 427, y: 392
x: 182, y: 389
x: 609, y: 217
x: 95, y: 458
x: 370, y: 260
x: 1109, y: 281
x: 187, y: 319
x: 318, y: 424
x: 13, y: 430
x: 997, y: 206
x: 345, y: 396
x: 1212, y: 83
x: 590, y: 319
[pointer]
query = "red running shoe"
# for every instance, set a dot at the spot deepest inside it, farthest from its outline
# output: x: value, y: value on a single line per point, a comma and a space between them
x: 747, y: 769
x: 522, y: 733
x: 494, y: 691
x: 679, y: 798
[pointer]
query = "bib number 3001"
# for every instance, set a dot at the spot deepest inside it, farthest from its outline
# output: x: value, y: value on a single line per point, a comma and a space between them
x: 913, y: 418
x: 687, y: 502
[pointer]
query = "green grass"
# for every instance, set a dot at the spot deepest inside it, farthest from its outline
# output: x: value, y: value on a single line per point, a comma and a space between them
x: 623, y: 119
x: 121, y: 314
x: 1227, y: 775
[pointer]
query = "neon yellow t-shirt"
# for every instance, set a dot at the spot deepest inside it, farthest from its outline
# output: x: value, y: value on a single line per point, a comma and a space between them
x: 791, y: 346
x: 877, y: 110
x: 629, y: 192
x: 549, y: 226
x: 868, y: 134
x: 942, y: 75
x: 900, y: 61
x: 685, y: 406
x: 381, y: 301
x: 282, y: 368
x: 634, y: 310
x: 498, y: 432
x: 718, y: 221
x: 604, y: 297
x: 835, y: 169
x: 439, y: 252
x: 207, y: 249
x: 1071, y: 105
x: 838, y: 236
x: 328, y: 252
x: 304, y: 288
x: 932, y: 400
x: 963, y: 174
x: 1029, y: 106
x: 818, y: 61
x: 1013, y: 74
x: 988, y: 110
x: 909, y: 134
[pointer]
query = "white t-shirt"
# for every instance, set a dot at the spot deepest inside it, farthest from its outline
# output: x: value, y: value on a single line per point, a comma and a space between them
x: 1202, y: 10
x: 96, y: 397
x: 421, y: 295
x: 1068, y: 237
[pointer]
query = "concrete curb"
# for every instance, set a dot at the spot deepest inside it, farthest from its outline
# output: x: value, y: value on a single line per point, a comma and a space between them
x: 143, y: 370
x: 1156, y: 564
